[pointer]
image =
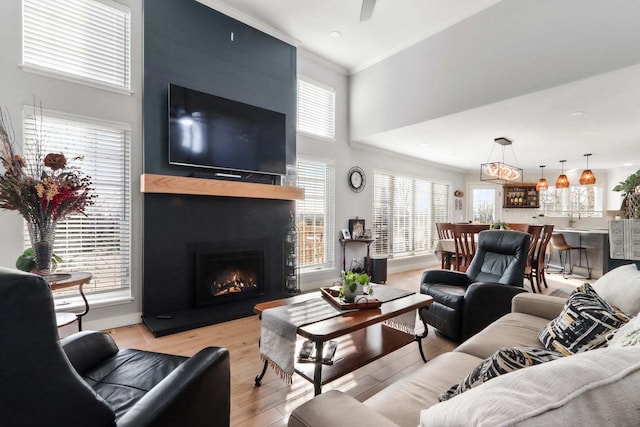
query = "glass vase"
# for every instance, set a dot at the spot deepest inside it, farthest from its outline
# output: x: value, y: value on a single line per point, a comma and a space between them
x: 42, y: 236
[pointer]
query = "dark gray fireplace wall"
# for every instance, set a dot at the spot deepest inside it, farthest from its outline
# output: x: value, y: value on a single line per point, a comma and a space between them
x: 189, y: 44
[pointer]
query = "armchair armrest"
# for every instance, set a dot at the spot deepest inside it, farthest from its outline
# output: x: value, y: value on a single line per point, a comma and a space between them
x: 484, y: 303
x: 201, y: 384
x: 335, y: 408
x: 87, y: 349
x: 455, y: 278
x: 544, y: 306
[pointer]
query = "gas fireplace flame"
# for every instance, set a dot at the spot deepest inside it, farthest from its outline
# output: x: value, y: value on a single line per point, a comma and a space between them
x: 235, y: 283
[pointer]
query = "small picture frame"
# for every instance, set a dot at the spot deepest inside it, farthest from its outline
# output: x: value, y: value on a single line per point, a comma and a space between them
x: 367, y: 233
x: 356, y: 228
x: 345, y: 234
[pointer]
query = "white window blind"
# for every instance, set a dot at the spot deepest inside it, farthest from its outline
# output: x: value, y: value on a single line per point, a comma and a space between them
x: 100, y: 242
x: 405, y: 213
x: 86, y: 39
x: 316, y: 109
x: 315, y: 214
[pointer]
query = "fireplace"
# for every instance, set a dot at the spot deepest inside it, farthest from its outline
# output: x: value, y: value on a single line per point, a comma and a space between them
x: 228, y: 276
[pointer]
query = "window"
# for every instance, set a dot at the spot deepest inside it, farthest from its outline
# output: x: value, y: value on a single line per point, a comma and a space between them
x: 316, y: 109
x: 405, y: 213
x: 314, y: 214
x: 587, y: 200
x: 483, y: 204
x: 88, y: 40
x: 100, y: 242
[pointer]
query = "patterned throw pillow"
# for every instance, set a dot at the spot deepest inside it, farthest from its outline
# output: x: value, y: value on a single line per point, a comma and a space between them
x: 583, y: 324
x: 503, y: 361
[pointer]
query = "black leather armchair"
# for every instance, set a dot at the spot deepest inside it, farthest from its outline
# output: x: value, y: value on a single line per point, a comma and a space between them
x: 85, y: 380
x: 464, y: 303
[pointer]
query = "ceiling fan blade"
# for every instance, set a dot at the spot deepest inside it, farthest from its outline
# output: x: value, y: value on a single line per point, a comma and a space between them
x: 367, y: 9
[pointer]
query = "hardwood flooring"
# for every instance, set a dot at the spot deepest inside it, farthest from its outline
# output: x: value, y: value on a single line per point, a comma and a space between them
x: 272, y: 402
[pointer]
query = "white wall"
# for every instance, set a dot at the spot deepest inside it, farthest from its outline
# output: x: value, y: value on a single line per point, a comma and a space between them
x: 345, y: 155
x: 19, y: 87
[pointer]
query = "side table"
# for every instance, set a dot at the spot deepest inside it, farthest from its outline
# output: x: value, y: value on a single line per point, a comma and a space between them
x: 67, y: 280
x: 344, y: 243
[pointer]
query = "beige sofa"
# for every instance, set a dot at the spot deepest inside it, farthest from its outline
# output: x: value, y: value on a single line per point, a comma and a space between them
x: 566, y: 391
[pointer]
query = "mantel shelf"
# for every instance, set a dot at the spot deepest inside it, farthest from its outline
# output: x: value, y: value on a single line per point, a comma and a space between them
x: 168, y: 184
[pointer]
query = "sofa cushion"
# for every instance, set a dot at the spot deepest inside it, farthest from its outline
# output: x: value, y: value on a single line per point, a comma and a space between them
x: 126, y: 377
x: 583, y: 324
x: 512, y: 330
x: 621, y: 288
x: 503, y: 361
x: 403, y: 400
x: 592, y: 388
x: 626, y: 336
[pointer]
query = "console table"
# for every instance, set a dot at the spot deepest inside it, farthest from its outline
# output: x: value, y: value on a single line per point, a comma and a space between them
x: 345, y: 242
x: 68, y: 280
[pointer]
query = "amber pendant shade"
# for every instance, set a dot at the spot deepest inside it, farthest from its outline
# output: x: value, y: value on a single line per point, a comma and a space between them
x: 587, y: 177
x: 542, y: 183
x: 562, y: 181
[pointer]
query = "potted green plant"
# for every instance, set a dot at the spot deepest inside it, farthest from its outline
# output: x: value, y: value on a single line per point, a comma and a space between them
x: 499, y: 225
x: 354, y: 284
x: 630, y: 189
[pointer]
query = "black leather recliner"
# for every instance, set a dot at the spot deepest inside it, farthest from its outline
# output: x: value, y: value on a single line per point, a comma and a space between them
x: 85, y: 380
x: 464, y: 303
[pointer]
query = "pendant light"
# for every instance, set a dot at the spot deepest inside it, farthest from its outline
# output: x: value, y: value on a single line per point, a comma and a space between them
x: 499, y: 171
x: 587, y: 177
x: 542, y: 183
x: 562, y: 181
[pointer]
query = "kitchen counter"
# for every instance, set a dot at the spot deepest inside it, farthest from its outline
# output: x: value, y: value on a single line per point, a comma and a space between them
x: 582, y: 230
x: 596, y: 242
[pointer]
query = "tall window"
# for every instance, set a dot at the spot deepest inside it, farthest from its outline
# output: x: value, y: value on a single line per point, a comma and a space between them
x: 315, y: 214
x: 316, y: 109
x: 483, y: 205
x: 405, y: 213
x: 587, y: 200
x: 100, y: 242
x: 86, y: 39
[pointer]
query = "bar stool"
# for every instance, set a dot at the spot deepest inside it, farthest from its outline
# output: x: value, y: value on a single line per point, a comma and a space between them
x: 559, y: 243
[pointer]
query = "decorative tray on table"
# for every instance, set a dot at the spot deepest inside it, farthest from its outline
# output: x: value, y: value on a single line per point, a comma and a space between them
x: 361, y: 301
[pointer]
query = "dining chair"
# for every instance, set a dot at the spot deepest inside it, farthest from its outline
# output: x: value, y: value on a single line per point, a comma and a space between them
x: 538, y: 261
x: 534, y: 234
x: 465, y: 237
x: 445, y: 231
x: 518, y: 227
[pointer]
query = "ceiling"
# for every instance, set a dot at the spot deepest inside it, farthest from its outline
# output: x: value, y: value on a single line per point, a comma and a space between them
x: 598, y: 114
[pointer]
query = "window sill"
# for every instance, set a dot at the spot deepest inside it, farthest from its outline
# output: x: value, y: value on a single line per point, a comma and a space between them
x: 75, y: 303
x: 72, y: 78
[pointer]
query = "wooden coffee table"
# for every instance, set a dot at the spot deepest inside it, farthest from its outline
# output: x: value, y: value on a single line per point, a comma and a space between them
x: 361, y: 336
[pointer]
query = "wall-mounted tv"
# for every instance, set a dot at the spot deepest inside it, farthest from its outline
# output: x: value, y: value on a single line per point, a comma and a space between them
x: 209, y: 131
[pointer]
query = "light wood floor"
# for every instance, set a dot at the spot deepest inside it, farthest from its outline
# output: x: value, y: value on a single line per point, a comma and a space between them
x: 272, y: 402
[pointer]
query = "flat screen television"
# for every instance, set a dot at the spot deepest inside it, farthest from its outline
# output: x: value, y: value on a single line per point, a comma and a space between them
x: 209, y: 131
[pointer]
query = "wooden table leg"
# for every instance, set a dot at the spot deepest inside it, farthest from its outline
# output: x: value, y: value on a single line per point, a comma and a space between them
x: 317, y: 372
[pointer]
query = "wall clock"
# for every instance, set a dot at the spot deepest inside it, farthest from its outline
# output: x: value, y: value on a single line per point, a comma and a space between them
x: 357, y: 179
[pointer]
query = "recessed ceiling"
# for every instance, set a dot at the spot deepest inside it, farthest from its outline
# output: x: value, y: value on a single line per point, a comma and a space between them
x: 599, y: 114
x: 394, y: 24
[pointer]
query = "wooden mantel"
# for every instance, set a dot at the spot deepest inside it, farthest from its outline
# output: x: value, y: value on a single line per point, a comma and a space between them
x: 169, y: 184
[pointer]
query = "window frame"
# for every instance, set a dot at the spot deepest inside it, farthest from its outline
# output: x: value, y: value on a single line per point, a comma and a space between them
x: 329, y: 233
x: 123, y: 289
x: 41, y: 69
x: 569, y: 201
x: 318, y: 86
x: 419, y: 245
